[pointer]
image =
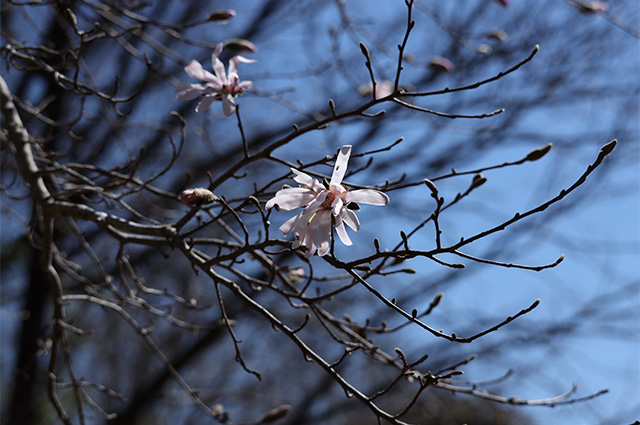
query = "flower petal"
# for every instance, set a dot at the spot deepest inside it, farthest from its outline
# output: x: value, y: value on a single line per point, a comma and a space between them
x: 218, y: 50
x: 336, y: 206
x: 228, y: 105
x: 243, y: 59
x: 350, y: 218
x: 341, y: 165
x: 190, y: 91
x: 232, y: 71
x: 321, y: 224
x: 203, y: 106
x: 244, y: 85
x: 288, y: 199
x: 218, y: 68
x: 367, y: 196
x: 306, y: 179
x: 316, y: 203
x: 194, y: 70
x: 342, y: 232
x: 290, y: 224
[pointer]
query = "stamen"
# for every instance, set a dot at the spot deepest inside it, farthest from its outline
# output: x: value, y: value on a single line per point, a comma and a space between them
x: 328, y: 201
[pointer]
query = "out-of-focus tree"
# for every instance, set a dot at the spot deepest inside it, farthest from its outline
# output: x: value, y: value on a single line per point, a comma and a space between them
x: 461, y: 134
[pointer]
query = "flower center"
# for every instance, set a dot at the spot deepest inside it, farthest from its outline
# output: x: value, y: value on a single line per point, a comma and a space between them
x: 328, y: 200
x: 331, y: 196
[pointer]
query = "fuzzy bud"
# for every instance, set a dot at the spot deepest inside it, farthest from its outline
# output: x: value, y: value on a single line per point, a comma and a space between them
x: 432, y: 187
x: 197, y: 196
x: 273, y: 415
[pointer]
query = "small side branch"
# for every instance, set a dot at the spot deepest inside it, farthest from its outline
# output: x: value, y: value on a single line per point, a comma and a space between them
x: 496, y: 77
x: 444, y: 114
x: 410, y: 24
x: 510, y: 265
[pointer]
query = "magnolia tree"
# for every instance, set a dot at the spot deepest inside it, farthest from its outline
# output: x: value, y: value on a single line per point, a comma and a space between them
x: 212, y: 233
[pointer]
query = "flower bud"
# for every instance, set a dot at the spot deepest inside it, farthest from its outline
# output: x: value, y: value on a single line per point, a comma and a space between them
x: 197, y: 196
x: 240, y: 45
x: 608, y: 148
x: 439, y: 63
x: 538, y: 153
x: 498, y: 35
x: 478, y: 180
x: 593, y: 7
x: 70, y: 17
x: 221, y: 15
x: 484, y: 49
x: 217, y: 409
x: 364, y: 50
x: 432, y: 187
x: 275, y: 414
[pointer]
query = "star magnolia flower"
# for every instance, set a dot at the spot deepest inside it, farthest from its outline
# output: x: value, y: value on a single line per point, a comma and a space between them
x: 216, y: 87
x: 312, y: 227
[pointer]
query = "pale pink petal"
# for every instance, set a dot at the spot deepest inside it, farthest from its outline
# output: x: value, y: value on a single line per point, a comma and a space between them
x: 228, y: 105
x: 316, y: 203
x: 336, y: 206
x: 204, y: 104
x: 300, y: 231
x: 190, y: 91
x: 322, y: 232
x: 244, y: 85
x: 218, y: 68
x: 233, y: 79
x: 232, y: 71
x: 311, y: 249
x: 303, y: 178
x: 195, y: 70
x: 342, y: 232
x: 235, y: 61
x: 243, y: 59
x: 288, y: 199
x: 303, y: 234
x: 306, y: 179
x: 340, y: 167
x: 289, y: 225
x: 350, y: 218
x: 217, y: 51
x: 306, y: 230
x: 367, y: 196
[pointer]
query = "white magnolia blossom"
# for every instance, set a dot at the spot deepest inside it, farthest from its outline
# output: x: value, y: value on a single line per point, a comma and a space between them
x: 312, y: 227
x: 221, y: 86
